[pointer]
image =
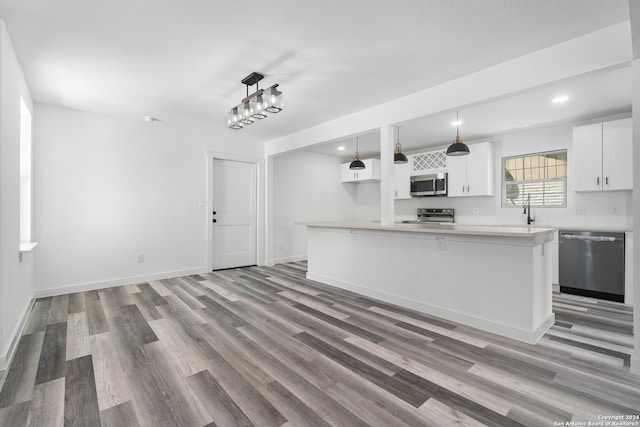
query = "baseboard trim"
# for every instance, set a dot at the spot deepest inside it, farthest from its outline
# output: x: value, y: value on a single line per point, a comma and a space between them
x: 285, y: 260
x: 6, y: 358
x: 91, y: 286
x: 527, y: 336
x: 635, y: 363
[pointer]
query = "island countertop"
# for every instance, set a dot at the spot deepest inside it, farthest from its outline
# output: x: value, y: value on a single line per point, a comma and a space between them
x: 440, y: 228
x: 495, y: 278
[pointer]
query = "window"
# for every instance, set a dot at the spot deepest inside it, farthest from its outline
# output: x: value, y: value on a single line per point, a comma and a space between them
x: 25, y: 173
x: 541, y: 176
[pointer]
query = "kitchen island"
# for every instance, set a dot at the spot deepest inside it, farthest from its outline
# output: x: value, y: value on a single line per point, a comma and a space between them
x: 494, y: 278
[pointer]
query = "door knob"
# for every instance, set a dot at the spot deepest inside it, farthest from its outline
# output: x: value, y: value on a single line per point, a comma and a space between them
x: 215, y: 220
x: 214, y: 212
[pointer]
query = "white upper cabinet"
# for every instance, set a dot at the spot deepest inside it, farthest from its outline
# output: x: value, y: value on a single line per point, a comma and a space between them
x: 471, y: 175
x: 587, y: 157
x: 370, y: 173
x: 603, y: 156
x: 402, y: 176
x: 428, y: 163
x: 617, y: 155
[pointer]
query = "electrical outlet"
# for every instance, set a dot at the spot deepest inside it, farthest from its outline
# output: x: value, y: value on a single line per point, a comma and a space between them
x: 441, y: 243
x: 354, y: 235
x: 580, y: 210
x: 475, y: 211
x: 615, y: 210
x: 140, y: 258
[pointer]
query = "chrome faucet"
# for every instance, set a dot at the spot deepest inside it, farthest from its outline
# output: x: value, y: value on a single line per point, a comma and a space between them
x: 527, y: 210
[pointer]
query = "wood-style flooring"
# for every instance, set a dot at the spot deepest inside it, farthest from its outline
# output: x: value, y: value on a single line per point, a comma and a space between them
x: 264, y: 346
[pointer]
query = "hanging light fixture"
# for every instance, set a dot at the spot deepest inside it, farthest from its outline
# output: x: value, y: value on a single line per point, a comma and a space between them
x: 357, y: 164
x: 233, y: 119
x: 457, y: 148
x: 398, y: 156
x: 273, y: 99
x: 254, y: 106
x: 246, y: 115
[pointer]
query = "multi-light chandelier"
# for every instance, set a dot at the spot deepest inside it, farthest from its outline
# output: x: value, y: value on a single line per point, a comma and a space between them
x: 255, y: 106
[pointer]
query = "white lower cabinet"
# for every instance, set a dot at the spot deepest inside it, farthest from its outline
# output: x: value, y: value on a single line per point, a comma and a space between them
x: 471, y: 175
x: 370, y: 173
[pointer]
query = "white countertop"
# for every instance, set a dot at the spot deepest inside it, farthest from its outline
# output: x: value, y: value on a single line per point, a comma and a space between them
x: 478, y: 230
x: 610, y: 229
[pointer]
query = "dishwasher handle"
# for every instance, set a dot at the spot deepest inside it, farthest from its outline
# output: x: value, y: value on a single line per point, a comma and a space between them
x: 570, y: 236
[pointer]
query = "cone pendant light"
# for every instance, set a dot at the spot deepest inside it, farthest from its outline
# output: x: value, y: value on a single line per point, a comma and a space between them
x: 399, y: 157
x: 357, y: 164
x: 458, y: 148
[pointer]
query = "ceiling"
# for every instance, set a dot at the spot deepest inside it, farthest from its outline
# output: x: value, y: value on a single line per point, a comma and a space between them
x: 169, y: 59
x: 592, y: 95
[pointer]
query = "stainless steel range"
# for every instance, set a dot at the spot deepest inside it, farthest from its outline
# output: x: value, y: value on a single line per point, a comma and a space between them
x: 433, y: 215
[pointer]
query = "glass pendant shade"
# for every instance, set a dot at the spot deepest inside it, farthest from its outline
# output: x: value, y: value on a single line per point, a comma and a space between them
x: 398, y: 156
x: 273, y: 100
x: 233, y: 119
x: 245, y: 113
x: 257, y: 107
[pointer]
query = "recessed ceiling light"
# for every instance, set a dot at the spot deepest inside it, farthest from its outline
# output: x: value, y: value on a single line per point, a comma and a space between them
x: 341, y: 148
x: 456, y: 123
x: 150, y: 119
x: 560, y: 99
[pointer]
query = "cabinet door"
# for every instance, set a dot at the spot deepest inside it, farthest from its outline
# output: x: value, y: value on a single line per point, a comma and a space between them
x: 371, y: 172
x: 402, y: 176
x: 480, y: 170
x: 457, y: 178
x: 617, y: 155
x: 365, y: 174
x: 586, y: 161
x: 428, y: 163
x: 347, y: 175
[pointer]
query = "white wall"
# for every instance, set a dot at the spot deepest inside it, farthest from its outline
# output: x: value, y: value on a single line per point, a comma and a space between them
x: 307, y: 187
x: 16, y: 276
x: 109, y: 189
x: 368, y: 201
x: 635, y: 358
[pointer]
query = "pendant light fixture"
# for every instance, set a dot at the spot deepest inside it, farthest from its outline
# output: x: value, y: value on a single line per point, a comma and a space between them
x: 398, y: 156
x: 458, y: 148
x: 255, y: 106
x: 357, y: 164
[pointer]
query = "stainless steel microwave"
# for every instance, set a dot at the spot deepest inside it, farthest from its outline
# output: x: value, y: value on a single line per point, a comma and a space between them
x: 429, y: 185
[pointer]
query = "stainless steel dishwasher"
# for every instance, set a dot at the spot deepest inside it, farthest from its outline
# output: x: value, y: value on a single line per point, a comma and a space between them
x: 592, y: 264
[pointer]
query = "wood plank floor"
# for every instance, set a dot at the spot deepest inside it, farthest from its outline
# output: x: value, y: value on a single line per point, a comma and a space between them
x: 264, y: 346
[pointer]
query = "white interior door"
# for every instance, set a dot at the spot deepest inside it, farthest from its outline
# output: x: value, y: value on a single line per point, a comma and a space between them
x: 234, y: 214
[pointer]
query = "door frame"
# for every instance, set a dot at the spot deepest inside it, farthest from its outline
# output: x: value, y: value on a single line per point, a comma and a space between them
x: 260, y: 229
